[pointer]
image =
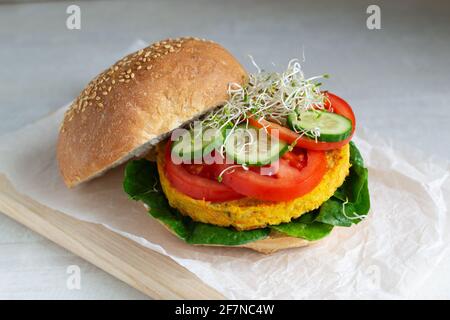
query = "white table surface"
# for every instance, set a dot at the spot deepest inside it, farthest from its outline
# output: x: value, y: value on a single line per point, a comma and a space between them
x: 399, y: 72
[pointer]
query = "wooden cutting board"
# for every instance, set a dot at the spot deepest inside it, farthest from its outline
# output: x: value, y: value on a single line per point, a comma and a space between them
x: 148, y: 271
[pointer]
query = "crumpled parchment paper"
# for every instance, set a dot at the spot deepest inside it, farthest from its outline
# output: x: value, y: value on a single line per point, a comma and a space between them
x: 388, y: 255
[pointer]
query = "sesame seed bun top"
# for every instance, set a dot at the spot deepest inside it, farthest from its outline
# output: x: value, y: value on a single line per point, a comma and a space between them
x: 135, y: 103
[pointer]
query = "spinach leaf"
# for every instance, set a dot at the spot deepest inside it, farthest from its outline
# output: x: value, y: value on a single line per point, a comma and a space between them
x: 351, y: 202
x: 305, y: 227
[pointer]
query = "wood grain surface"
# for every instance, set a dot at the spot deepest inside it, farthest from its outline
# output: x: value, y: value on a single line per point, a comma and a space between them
x: 150, y: 272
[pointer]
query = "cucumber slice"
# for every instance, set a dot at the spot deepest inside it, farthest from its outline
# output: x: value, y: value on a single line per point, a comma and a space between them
x: 331, y: 126
x: 252, y: 146
x: 194, y: 144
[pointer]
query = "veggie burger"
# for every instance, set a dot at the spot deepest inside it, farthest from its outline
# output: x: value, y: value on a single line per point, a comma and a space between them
x: 218, y: 156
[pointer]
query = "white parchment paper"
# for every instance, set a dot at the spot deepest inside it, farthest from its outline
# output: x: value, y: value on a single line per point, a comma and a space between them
x: 388, y: 255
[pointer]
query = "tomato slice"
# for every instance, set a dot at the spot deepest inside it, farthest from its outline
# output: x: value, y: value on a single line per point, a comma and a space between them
x: 294, y: 177
x: 333, y: 104
x: 340, y: 106
x: 296, y: 158
x: 194, y: 181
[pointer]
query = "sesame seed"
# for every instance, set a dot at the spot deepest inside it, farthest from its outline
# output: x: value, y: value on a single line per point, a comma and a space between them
x: 126, y: 69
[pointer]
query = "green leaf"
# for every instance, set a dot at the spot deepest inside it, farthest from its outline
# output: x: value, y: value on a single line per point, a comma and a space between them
x: 202, y: 233
x: 354, y: 183
x: 142, y: 183
x: 331, y: 212
x: 140, y: 179
x: 351, y: 202
x: 305, y: 227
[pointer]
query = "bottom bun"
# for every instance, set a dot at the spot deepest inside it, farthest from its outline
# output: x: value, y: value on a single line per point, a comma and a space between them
x: 276, y: 241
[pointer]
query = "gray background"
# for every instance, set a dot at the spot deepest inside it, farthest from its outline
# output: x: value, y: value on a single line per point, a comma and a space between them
x: 397, y: 79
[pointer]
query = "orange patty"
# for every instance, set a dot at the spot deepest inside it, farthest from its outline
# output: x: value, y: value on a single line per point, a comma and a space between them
x: 247, y: 213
